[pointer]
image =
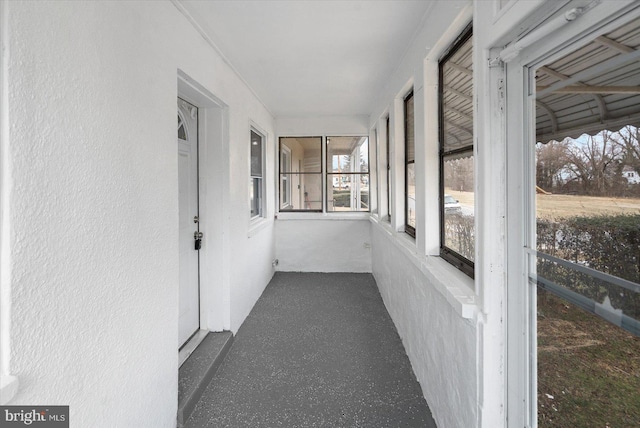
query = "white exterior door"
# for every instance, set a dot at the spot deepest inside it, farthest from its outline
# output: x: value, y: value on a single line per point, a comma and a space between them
x: 189, y: 296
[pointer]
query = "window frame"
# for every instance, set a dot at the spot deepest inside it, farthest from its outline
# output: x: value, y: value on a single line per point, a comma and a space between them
x: 459, y: 261
x: 285, y: 152
x: 408, y: 229
x: 252, y: 177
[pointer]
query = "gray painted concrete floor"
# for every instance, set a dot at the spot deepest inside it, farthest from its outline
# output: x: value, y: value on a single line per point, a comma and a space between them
x: 317, y: 350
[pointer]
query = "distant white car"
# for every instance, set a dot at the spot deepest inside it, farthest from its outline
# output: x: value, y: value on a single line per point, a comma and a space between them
x: 451, y: 205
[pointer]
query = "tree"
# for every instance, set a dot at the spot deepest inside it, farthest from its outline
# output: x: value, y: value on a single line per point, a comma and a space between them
x: 628, y: 140
x: 458, y: 173
x: 551, y: 163
x: 594, y: 163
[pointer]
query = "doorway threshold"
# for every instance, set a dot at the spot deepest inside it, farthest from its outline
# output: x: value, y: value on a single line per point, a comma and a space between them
x: 204, y: 352
x: 191, y: 345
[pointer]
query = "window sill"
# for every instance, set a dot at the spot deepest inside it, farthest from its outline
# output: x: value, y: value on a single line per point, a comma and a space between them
x: 454, y: 285
x: 257, y: 225
x: 323, y: 216
x: 8, y: 388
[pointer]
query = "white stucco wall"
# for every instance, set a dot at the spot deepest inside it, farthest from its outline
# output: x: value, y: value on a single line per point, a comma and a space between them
x: 90, y: 196
x: 440, y: 343
x: 323, y: 245
x: 315, y: 126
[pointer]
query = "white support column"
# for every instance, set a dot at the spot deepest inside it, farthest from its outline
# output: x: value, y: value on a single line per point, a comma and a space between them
x: 420, y: 155
x: 396, y: 153
x: 431, y: 206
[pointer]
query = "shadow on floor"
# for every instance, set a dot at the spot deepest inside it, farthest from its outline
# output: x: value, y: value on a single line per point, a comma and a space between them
x: 317, y: 350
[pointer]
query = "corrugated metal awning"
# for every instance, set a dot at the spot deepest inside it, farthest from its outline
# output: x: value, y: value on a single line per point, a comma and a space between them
x: 593, y: 88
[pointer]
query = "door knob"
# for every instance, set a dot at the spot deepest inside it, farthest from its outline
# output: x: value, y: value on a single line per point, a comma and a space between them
x: 197, y: 235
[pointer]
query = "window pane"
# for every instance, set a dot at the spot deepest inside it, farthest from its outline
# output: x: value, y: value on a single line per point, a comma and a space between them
x: 347, y: 192
x: 256, y: 197
x: 300, y: 192
x: 588, y: 239
x: 458, y: 205
x: 256, y: 154
x: 410, y: 154
x: 411, y: 195
x: 586, y: 209
x: 305, y: 154
x: 587, y: 215
x: 457, y: 93
x: 347, y: 154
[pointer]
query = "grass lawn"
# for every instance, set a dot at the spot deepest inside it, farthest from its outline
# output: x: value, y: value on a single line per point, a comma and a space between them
x: 555, y: 206
x: 558, y: 206
x: 588, y: 369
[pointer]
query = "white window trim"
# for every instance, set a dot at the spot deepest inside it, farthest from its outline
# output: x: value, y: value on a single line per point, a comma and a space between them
x: 263, y: 201
x: 258, y: 223
x: 284, y: 150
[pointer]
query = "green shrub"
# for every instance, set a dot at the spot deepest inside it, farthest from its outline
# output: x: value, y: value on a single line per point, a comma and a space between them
x: 460, y: 234
x: 343, y: 198
x: 609, y: 244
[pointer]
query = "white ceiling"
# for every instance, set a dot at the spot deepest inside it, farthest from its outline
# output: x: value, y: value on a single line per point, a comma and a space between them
x: 307, y: 58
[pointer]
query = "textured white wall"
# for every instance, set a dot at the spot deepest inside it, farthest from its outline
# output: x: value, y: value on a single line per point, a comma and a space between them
x: 322, y: 125
x: 441, y: 345
x: 92, y: 205
x: 323, y: 245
